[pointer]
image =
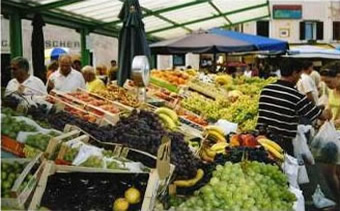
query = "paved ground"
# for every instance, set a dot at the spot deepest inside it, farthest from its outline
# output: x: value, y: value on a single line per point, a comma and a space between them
x: 316, y: 177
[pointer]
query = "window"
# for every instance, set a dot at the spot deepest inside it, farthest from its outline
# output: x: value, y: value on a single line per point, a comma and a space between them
x: 336, y: 30
x: 262, y: 28
x: 311, y: 30
x: 178, y: 60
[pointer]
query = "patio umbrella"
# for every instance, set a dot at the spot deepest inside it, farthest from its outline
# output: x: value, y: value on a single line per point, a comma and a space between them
x: 201, y: 42
x: 54, y: 53
x: 132, y: 39
x: 37, y: 45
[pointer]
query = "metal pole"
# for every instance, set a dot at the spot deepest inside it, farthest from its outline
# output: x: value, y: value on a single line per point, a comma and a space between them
x: 15, y: 32
x: 85, y: 53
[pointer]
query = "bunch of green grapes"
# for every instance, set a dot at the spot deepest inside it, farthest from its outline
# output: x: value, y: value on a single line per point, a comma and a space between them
x: 243, y: 186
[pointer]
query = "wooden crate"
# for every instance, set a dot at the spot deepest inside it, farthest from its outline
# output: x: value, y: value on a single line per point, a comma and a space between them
x: 50, y: 169
x: 19, y: 195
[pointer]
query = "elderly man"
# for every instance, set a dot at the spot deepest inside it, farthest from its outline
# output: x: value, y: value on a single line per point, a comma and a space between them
x: 65, y: 78
x: 23, y: 82
x: 93, y: 84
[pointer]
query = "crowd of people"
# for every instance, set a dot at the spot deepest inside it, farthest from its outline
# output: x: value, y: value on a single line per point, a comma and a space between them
x: 65, y: 74
x: 300, y: 95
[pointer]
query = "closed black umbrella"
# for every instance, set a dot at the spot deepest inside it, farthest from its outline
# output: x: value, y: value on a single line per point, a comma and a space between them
x: 38, y: 57
x: 132, y: 39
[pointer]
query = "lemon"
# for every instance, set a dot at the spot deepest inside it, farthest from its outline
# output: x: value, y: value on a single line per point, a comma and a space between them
x: 132, y: 195
x: 121, y: 204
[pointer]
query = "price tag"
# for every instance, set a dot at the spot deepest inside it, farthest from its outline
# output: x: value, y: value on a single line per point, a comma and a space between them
x: 163, y: 158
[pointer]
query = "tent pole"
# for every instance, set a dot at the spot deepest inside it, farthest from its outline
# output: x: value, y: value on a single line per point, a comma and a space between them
x: 85, y: 53
x: 15, y: 34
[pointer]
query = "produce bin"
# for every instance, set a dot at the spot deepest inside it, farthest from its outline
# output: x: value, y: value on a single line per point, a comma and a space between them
x: 146, y: 183
x: 20, y: 192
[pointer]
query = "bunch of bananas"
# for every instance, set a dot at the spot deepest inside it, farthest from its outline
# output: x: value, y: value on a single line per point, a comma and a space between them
x: 273, y: 148
x: 168, y: 117
x: 216, y: 135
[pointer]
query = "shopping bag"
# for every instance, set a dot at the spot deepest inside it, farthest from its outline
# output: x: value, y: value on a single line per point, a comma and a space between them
x: 299, y: 204
x: 291, y: 169
x: 320, y: 201
x: 301, y: 149
x: 326, y: 144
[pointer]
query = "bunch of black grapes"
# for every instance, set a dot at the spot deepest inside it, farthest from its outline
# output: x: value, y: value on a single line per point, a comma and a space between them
x: 141, y: 130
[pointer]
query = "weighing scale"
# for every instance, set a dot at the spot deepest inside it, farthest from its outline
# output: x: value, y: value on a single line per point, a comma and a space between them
x: 140, y: 75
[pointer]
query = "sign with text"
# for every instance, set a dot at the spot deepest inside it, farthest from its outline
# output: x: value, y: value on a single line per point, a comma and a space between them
x: 287, y: 11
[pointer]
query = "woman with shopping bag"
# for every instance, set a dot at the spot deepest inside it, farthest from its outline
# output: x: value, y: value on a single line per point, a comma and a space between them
x: 330, y: 74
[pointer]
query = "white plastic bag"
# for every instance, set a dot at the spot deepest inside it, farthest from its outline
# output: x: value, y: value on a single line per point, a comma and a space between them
x: 320, y: 201
x: 299, y: 204
x: 303, y: 175
x: 22, y: 136
x: 291, y: 168
x: 326, y: 144
x: 86, y: 151
x: 301, y: 149
x: 228, y: 127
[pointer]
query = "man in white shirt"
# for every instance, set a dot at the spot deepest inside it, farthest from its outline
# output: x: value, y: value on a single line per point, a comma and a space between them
x: 24, y: 83
x: 306, y: 84
x: 65, y: 79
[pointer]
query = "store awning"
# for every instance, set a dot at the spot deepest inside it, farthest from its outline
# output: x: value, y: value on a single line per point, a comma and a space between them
x: 309, y: 51
x: 261, y: 43
x: 201, y: 42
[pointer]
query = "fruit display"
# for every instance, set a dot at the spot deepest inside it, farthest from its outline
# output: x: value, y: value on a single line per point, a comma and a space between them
x: 242, y: 111
x: 94, y: 191
x: 165, y: 95
x: 9, y: 173
x: 247, y: 86
x: 174, y: 77
x: 87, y: 98
x: 208, y: 89
x: 140, y: 130
x: 11, y: 126
x: 168, y: 117
x: 40, y: 141
x: 249, y: 185
x: 119, y: 94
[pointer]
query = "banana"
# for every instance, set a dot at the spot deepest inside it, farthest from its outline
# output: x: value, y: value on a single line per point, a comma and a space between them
x: 219, y: 146
x: 172, y: 114
x: 273, y: 151
x: 215, y: 136
x: 190, y: 182
x: 205, y: 157
x: 168, y: 122
x: 210, y: 152
x: 271, y: 143
x: 214, y: 128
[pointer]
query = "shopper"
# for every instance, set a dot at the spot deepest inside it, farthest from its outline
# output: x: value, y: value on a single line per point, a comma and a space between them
x: 248, y: 72
x: 65, y: 79
x: 281, y: 105
x: 76, y: 63
x: 52, y: 67
x: 93, y: 84
x: 306, y: 84
x: 101, y: 71
x: 112, y: 75
x: 331, y: 76
x: 23, y: 82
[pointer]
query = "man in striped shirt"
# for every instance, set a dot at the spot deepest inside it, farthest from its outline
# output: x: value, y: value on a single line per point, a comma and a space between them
x: 281, y: 106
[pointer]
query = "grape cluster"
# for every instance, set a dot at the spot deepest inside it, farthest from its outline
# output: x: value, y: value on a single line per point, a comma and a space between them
x: 237, y: 154
x: 140, y: 130
x: 243, y: 186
